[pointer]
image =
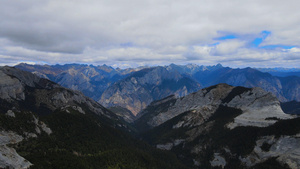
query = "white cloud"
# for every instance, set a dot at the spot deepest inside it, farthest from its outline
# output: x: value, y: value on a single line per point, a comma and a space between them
x: 93, y: 31
x: 228, y: 47
x: 294, y: 50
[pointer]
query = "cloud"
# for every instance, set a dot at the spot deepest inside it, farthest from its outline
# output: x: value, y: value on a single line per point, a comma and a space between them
x: 228, y: 47
x: 93, y: 31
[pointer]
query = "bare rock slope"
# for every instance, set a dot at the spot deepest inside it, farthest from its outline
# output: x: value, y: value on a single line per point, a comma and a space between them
x: 224, y: 126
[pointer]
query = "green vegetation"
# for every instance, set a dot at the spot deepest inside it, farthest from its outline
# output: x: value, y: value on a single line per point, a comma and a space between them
x: 23, y: 122
x: 82, y: 141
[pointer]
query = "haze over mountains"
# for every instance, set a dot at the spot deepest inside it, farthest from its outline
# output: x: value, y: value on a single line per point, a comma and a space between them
x: 136, y: 88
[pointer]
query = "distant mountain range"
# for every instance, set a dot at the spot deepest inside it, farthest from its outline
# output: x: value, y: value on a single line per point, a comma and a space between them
x: 89, y: 79
x: 134, y: 89
x: 281, y: 72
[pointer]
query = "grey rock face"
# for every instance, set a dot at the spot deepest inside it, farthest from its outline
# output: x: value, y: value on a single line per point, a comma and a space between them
x: 257, y: 106
x: 14, y: 81
x: 10, y: 88
x: 10, y: 113
x: 8, y: 156
x: 285, y: 149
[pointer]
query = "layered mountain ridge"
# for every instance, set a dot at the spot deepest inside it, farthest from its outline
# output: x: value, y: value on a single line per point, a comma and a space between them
x: 141, y: 88
x: 113, y: 87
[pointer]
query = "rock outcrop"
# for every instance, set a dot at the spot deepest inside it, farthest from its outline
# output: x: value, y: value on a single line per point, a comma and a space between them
x: 8, y: 156
x: 285, y: 149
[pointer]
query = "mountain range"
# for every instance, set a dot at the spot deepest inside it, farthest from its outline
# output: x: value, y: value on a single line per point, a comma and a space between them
x: 281, y: 72
x: 91, y: 80
x: 45, y: 125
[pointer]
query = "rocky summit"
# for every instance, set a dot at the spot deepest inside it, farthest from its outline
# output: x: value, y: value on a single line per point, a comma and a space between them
x: 224, y: 126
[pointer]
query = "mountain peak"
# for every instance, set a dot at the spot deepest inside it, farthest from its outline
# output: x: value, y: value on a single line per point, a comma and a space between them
x: 219, y: 65
x: 255, y: 102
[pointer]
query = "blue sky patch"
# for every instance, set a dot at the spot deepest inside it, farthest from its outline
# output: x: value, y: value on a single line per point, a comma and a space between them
x: 277, y: 46
x: 226, y: 37
x: 257, y: 41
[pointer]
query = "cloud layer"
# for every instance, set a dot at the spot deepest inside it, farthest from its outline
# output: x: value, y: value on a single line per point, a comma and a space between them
x: 235, y: 33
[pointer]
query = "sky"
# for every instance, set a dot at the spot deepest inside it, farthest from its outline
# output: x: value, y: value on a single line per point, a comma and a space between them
x: 131, y: 33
